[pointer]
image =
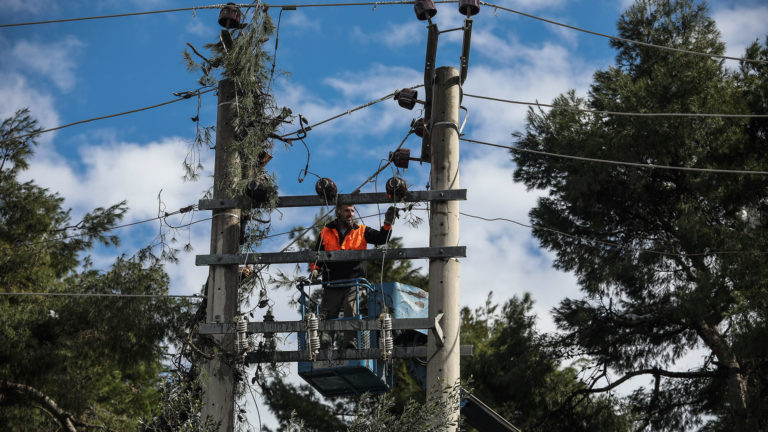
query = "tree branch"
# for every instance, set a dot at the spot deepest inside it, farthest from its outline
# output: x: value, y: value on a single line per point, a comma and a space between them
x: 651, y: 371
x: 43, y: 402
x: 63, y: 417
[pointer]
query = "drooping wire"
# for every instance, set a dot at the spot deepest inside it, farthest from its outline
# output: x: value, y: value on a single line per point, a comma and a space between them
x: 216, y: 6
x: 127, y: 14
x: 347, y: 112
x: 616, y: 38
x: 619, y: 113
x: 186, y: 96
x: 163, y: 216
x: 387, y: 3
x: 615, y: 162
x: 357, y: 190
x: 274, y: 54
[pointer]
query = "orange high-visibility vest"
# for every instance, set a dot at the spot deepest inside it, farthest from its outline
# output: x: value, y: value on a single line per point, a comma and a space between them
x: 354, y: 240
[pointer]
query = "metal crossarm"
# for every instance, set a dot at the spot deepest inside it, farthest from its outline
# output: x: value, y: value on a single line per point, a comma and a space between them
x: 350, y: 354
x: 324, y: 325
x: 359, y: 198
x: 331, y: 256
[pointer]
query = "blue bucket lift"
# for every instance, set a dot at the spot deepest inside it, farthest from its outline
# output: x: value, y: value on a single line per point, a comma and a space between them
x: 348, y: 377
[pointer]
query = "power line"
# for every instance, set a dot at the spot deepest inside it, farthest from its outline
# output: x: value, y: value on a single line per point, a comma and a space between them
x: 388, y: 3
x: 680, y: 50
x: 71, y: 294
x: 127, y: 14
x: 621, y: 113
x: 165, y: 215
x: 186, y: 96
x: 347, y: 112
x: 615, y: 162
x: 609, y: 243
x: 217, y: 6
x: 374, y: 175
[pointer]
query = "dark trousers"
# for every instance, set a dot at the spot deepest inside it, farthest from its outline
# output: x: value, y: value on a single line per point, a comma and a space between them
x: 334, y: 299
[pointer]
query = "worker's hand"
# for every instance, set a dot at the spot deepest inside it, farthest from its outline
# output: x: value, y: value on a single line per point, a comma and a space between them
x: 390, y: 215
x: 245, y: 272
x: 314, y: 276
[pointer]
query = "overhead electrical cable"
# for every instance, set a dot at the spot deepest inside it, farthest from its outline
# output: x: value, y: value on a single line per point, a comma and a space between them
x: 615, y: 162
x: 357, y: 190
x: 217, y: 6
x: 120, y: 15
x: 71, y: 294
x: 185, y: 97
x: 165, y: 215
x: 610, y: 243
x: 347, y: 112
x: 680, y: 50
x: 387, y: 3
x: 620, y: 113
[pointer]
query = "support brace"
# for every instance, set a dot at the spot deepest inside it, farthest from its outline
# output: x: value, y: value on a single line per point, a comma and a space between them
x: 359, y: 198
x: 323, y: 326
x: 331, y: 256
x: 350, y: 354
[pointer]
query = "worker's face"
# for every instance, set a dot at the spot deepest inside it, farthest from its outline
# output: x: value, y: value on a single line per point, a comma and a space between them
x: 347, y: 214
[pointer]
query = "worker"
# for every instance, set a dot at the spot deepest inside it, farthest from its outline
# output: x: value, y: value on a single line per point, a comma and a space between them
x: 344, y: 234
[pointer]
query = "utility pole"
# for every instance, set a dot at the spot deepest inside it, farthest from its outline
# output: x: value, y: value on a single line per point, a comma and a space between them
x: 443, y: 352
x: 219, y: 392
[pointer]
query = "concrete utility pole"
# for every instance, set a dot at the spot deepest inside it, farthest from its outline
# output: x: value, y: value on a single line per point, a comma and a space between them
x: 443, y: 355
x: 219, y: 393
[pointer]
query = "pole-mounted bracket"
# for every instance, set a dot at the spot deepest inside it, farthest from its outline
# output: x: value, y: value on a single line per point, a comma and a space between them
x: 215, y: 328
x: 358, y: 198
x: 349, y: 354
x: 309, y: 256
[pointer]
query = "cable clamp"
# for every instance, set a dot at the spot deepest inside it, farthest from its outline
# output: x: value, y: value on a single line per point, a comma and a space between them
x: 437, y: 331
x: 450, y: 124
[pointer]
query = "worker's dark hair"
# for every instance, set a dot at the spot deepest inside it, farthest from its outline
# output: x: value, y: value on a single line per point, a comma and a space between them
x: 338, y: 209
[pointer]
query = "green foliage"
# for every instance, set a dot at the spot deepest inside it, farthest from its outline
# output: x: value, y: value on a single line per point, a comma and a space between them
x: 257, y: 117
x: 687, y: 272
x: 97, y: 358
x: 515, y: 372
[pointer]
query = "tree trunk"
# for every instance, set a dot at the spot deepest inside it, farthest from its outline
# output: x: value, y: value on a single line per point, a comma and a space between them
x: 737, y: 383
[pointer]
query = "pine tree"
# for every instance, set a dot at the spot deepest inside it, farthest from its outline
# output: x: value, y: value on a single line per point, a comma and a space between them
x: 70, y: 362
x: 669, y: 261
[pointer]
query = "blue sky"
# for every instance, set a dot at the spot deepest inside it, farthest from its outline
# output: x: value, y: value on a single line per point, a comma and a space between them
x: 331, y: 59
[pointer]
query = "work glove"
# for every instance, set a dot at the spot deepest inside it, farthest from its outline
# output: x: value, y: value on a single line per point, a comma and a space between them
x: 314, y: 276
x: 390, y: 215
x: 246, y: 272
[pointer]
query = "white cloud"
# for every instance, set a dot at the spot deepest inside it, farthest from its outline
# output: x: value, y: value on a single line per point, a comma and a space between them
x: 740, y: 26
x: 299, y: 20
x: 625, y: 4
x: 375, y: 82
x: 394, y: 35
x: 354, y: 89
x: 16, y: 93
x: 54, y: 61
x: 112, y: 172
x: 198, y: 27
x: 32, y: 6
x: 530, y: 75
x: 532, y: 4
